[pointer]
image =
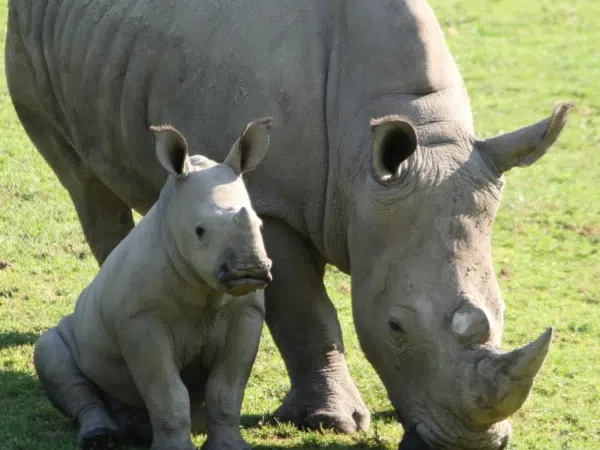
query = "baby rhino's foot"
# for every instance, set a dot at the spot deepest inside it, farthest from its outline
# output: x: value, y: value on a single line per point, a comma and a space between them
x: 134, y: 425
x: 97, y: 431
x: 98, y: 438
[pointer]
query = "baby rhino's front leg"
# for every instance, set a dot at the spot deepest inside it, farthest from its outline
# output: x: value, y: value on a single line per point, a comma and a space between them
x: 229, y: 376
x: 148, y: 351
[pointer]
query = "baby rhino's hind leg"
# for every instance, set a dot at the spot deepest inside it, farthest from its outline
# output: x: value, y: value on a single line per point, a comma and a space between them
x: 72, y: 393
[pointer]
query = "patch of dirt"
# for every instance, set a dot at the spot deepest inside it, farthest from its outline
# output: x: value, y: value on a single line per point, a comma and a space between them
x: 4, y: 265
x: 344, y: 288
x: 505, y: 272
x: 518, y: 228
x: 589, y: 231
x: 585, y: 111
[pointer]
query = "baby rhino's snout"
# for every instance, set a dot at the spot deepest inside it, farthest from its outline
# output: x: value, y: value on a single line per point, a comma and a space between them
x: 246, y: 266
x: 242, y: 280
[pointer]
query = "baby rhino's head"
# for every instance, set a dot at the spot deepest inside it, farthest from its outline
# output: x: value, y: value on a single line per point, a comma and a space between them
x: 208, y: 214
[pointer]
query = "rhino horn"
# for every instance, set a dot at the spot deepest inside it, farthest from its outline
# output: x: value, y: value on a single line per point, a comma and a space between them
x: 509, y: 376
x: 525, y: 146
x: 471, y: 324
x: 527, y: 361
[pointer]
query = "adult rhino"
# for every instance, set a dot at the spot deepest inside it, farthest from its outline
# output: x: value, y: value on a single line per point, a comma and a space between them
x: 374, y: 168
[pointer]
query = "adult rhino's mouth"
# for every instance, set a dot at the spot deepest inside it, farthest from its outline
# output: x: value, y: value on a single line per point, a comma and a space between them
x: 496, y: 382
x: 412, y: 441
x: 422, y: 437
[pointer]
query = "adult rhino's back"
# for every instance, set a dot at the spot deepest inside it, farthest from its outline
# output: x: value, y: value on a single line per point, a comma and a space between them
x: 98, y: 73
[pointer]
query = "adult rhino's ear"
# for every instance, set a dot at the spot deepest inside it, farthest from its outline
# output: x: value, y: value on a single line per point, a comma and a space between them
x: 250, y: 148
x: 525, y: 146
x: 171, y: 150
x: 394, y: 140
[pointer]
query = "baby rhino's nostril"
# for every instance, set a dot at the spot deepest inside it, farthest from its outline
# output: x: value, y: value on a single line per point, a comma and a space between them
x: 224, y: 270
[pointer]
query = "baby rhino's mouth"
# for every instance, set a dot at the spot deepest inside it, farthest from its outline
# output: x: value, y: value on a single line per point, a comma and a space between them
x: 245, y: 285
x: 241, y: 283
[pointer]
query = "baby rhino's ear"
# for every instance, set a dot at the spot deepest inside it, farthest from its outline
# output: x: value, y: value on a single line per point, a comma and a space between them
x: 250, y: 148
x: 171, y: 150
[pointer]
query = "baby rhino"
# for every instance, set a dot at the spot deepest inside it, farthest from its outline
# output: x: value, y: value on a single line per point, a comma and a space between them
x: 181, y: 294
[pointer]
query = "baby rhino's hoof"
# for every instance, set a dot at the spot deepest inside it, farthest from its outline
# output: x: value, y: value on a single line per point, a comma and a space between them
x: 97, y: 438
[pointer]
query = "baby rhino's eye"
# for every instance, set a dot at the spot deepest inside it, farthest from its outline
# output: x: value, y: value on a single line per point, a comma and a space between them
x: 395, y: 326
x: 200, y: 231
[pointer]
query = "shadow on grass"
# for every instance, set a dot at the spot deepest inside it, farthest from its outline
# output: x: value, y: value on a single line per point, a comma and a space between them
x: 259, y: 420
x: 27, y: 419
x: 373, y: 446
x: 16, y: 338
x: 15, y: 384
x: 256, y: 421
x: 385, y: 416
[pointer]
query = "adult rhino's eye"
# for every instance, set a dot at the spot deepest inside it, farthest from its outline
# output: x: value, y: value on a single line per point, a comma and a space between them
x: 395, y: 326
x: 200, y: 231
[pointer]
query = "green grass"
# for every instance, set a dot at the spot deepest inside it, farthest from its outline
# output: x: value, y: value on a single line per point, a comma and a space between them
x: 517, y: 57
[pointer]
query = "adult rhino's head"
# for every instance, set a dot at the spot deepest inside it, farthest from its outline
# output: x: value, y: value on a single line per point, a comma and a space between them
x: 214, y: 232
x: 427, y: 306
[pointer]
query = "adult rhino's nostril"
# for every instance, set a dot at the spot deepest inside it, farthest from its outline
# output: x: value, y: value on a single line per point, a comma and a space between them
x: 504, y: 443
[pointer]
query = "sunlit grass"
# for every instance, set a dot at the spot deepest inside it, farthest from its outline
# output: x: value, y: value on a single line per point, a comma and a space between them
x: 518, y: 58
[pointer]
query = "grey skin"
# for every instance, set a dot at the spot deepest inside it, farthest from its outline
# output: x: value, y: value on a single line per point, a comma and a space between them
x: 183, y: 289
x: 405, y: 205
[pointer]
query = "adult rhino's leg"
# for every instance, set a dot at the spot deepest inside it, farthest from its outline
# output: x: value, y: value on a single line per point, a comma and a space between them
x: 305, y: 327
x: 72, y: 393
x: 194, y: 376
x: 104, y: 217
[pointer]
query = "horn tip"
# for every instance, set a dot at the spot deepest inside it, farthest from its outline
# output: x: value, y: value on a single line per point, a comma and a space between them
x: 546, y: 337
x: 542, y: 346
x: 562, y: 109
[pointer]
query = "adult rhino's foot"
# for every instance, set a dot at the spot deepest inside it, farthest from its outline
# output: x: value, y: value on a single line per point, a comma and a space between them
x: 329, y: 399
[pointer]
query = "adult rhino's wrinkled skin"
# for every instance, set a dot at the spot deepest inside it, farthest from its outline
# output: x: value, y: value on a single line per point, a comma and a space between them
x: 375, y: 168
